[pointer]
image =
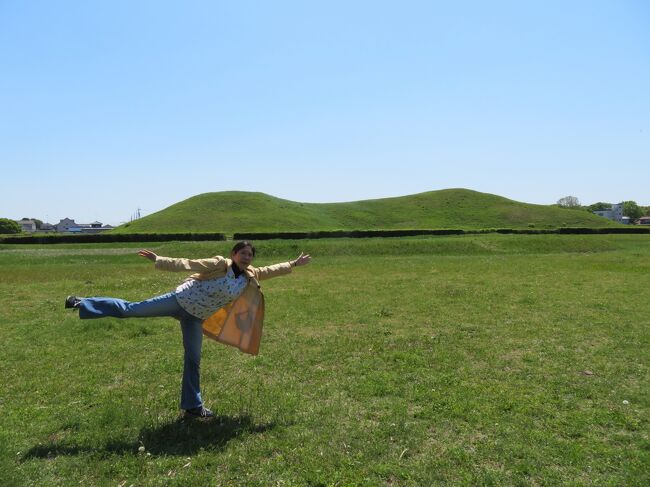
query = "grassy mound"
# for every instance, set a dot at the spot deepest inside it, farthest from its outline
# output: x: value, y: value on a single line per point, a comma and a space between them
x: 237, y: 211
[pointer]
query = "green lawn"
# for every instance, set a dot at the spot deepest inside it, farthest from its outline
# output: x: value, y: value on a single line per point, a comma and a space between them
x: 473, y: 360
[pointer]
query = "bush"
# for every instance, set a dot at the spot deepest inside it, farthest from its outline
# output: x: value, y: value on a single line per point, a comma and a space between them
x: 108, y: 238
x: 9, y: 226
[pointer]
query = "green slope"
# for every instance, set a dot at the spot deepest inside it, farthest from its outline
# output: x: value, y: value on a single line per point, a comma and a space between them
x: 236, y: 211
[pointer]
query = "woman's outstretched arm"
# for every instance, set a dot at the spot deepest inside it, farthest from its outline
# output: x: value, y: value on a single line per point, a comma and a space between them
x: 276, y: 270
x: 147, y: 254
x: 303, y: 259
x: 178, y: 265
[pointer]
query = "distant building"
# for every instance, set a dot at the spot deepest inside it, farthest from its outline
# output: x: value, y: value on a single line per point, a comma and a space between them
x: 95, y: 227
x: 64, y: 225
x: 68, y: 225
x: 46, y: 228
x: 644, y: 220
x: 27, y: 225
x: 614, y: 213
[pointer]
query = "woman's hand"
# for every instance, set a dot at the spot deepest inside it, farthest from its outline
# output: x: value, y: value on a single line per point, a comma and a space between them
x: 147, y: 254
x: 301, y: 260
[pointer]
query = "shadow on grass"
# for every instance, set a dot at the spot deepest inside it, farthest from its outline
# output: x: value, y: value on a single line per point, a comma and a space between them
x: 182, y: 437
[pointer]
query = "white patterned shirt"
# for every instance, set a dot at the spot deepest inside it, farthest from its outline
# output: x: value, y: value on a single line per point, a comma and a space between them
x: 203, y: 298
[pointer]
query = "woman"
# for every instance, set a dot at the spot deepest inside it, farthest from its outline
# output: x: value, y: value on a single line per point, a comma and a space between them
x: 221, y: 300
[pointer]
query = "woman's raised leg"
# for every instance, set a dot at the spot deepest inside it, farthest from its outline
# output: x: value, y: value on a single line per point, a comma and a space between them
x: 164, y: 305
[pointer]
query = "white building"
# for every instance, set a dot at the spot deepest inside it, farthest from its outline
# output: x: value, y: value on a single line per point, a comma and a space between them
x: 65, y: 225
x: 27, y: 225
x: 614, y: 213
x: 68, y: 225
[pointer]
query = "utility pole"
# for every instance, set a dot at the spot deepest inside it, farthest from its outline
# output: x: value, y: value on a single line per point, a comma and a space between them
x: 136, y: 215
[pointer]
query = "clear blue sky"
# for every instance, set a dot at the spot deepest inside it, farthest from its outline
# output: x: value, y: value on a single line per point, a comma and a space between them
x: 107, y: 106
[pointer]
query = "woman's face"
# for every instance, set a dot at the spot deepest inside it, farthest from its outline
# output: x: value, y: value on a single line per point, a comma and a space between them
x: 243, y: 257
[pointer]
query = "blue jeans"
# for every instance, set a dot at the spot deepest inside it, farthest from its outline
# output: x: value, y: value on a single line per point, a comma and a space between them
x: 164, y: 305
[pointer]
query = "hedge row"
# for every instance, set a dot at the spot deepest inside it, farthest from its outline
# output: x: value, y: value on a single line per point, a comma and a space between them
x: 630, y: 229
x: 412, y: 233
x: 343, y: 234
x: 166, y: 237
x: 107, y: 238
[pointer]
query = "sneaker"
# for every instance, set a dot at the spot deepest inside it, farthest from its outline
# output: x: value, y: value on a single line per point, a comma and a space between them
x: 199, y: 412
x: 72, y: 302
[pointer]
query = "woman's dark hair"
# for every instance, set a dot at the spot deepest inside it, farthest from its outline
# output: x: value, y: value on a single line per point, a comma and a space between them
x: 240, y: 245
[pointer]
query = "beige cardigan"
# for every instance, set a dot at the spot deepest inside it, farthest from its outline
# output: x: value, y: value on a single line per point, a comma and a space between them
x: 238, y: 323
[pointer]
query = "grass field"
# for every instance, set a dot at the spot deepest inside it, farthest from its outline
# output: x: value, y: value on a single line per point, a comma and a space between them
x: 474, y: 360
